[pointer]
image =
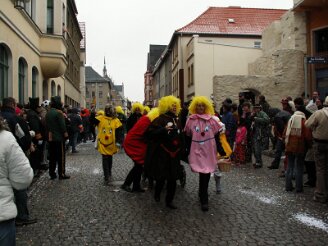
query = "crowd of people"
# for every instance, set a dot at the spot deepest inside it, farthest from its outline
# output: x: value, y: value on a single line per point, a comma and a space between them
x: 157, y: 140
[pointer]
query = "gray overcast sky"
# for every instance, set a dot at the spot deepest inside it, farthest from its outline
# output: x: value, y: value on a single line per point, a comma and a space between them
x: 122, y: 30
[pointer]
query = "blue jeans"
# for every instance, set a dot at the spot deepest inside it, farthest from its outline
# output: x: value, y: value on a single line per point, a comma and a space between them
x: 280, y: 147
x: 295, y: 161
x: 257, y: 148
x: 73, y: 140
x: 8, y: 233
x: 21, y: 204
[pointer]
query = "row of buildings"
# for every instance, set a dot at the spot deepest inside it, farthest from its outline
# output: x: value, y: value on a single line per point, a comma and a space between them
x: 229, y: 50
x: 43, y: 54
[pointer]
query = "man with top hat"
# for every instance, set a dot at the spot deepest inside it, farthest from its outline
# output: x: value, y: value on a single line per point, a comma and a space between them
x: 57, y: 134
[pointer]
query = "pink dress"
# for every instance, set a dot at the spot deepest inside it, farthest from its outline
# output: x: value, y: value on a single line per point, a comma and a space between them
x: 202, y: 129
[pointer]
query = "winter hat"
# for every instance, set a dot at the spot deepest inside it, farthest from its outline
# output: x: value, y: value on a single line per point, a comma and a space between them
x: 34, y: 102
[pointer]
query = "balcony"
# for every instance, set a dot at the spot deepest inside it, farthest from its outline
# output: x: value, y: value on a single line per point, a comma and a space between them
x: 53, y: 51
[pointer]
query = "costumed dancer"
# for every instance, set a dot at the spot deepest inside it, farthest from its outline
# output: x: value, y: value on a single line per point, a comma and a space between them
x: 164, y: 161
x: 135, y: 146
x: 136, y: 113
x: 202, y: 127
x: 106, y: 146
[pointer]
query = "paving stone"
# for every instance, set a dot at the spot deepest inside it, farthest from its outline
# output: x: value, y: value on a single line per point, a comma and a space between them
x: 253, y: 209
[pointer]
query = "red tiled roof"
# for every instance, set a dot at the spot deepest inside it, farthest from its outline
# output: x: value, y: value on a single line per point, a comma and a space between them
x: 247, y: 21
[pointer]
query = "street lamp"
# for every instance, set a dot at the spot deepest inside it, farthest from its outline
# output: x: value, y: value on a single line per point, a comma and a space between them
x: 19, y: 4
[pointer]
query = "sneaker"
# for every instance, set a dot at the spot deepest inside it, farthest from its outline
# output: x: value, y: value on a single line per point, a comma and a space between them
x: 64, y: 177
x: 53, y: 177
x: 20, y: 222
x: 171, y: 205
x: 126, y: 188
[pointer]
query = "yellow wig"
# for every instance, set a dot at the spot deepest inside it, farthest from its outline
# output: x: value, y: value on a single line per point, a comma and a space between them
x: 153, y: 114
x: 135, y: 106
x: 147, y: 109
x: 165, y: 104
x: 100, y: 112
x: 201, y: 100
x: 119, y: 109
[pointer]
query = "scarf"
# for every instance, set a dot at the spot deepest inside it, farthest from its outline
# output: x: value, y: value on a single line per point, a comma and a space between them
x: 294, y: 126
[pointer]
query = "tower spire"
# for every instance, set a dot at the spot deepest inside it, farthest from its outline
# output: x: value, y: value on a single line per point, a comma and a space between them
x: 105, y: 69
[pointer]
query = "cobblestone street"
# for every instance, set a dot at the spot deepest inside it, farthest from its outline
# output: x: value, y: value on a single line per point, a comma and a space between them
x: 253, y: 209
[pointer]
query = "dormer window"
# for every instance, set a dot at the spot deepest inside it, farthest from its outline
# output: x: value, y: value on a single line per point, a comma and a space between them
x: 231, y: 20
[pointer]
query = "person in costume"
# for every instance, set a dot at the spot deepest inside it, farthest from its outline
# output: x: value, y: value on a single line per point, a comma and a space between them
x: 202, y: 127
x: 146, y: 110
x: 106, y: 145
x: 120, y: 131
x: 136, y: 113
x: 135, y: 146
x: 164, y: 162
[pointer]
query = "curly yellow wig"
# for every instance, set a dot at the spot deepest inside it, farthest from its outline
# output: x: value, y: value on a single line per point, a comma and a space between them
x: 137, y: 105
x: 153, y: 114
x: 119, y: 109
x: 147, y: 109
x: 165, y: 104
x: 100, y: 112
x: 201, y: 100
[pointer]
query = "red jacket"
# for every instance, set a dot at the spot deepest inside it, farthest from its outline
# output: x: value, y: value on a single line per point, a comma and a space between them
x: 135, y: 145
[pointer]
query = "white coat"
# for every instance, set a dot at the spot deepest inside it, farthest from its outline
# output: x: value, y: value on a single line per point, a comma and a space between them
x: 15, y: 172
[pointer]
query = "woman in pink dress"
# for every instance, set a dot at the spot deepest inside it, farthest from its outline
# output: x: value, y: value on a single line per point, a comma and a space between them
x: 202, y: 126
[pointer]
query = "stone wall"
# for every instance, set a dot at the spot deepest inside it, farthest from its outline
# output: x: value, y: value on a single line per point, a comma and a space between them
x: 286, y: 80
x: 280, y: 70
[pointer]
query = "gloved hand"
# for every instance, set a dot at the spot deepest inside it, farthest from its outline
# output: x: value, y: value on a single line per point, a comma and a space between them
x: 32, y: 133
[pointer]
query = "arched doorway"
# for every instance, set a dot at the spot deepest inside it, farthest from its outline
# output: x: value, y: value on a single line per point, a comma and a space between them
x: 251, y: 95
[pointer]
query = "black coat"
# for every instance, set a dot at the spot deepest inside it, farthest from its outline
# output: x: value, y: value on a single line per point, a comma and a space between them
x: 18, y: 127
x: 133, y: 118
x: 164, y: 151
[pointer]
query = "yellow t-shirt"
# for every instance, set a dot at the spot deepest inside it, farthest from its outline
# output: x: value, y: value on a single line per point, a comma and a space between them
x: 106, y: 134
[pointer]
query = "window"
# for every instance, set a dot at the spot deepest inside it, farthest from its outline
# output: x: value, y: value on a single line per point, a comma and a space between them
x: 21, y: 80
x: 100, y: 94
x: 50, y: 16
x: 53, y: 88
x: 34, y: 81
x: 3, y: 72
x: 58, y: 90
x: 192, y: 74
x: 45, y: 90
x: 189, y: 77
x: 63, y: 19
x: 93, y: 94
x: 321, y: 40
x: 257, y: 44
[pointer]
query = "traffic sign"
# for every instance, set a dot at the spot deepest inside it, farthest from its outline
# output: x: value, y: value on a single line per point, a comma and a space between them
x: 317, y: 60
